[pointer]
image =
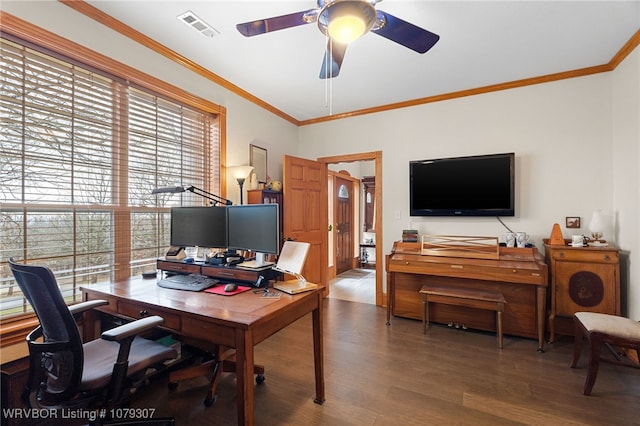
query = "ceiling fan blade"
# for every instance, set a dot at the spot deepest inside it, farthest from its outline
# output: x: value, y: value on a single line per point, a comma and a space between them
x: 334, y: 55
x: 261, y: 26
x: 405, y: 33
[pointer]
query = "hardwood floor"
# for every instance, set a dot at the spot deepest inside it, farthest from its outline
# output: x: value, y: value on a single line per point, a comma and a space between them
x: 390, y: 375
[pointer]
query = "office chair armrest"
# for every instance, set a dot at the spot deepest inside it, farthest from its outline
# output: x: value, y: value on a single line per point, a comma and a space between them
x: 132, y: 329
x: 38, y: 346
x: 124, y: 335
x: 79, y: 308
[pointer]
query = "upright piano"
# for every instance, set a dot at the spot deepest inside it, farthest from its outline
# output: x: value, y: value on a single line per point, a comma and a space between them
x: 519, y: 273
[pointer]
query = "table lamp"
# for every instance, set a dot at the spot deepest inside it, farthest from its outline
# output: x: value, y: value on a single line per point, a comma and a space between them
x: 596, y: 225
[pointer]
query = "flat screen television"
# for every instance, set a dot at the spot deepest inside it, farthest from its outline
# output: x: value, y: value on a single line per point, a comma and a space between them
x: 199, y: 227
x: 481, y: 185
x: 254, y: 227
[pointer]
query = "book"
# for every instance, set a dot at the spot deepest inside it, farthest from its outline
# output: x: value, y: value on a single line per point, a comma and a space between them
x: 409, y: 236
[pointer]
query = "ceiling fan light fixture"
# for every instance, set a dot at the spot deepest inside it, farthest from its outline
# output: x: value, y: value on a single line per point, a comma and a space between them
x: 346, y: 20
x: 345, y: 29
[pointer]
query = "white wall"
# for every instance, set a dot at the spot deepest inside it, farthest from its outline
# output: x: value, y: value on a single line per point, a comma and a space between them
x: 249, y: 124
x: 560, y: 132
x: 626, y: 176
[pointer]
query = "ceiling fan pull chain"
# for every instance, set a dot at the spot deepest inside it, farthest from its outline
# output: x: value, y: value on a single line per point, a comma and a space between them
x: 328, y: 84
x: 330, y: 65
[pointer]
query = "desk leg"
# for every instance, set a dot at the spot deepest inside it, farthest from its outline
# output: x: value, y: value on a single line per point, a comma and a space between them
x: 318, y: 351
x: 91, y: 325
x: 541, y: 300
x: 244, y: 376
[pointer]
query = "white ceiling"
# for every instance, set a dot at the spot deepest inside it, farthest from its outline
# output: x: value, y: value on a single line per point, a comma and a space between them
x: 481, y: 43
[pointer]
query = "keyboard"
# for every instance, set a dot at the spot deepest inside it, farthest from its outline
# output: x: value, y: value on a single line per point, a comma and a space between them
x: 191, y: 282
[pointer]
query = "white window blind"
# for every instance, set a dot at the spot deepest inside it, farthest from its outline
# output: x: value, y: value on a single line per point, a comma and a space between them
x: 81, y: 151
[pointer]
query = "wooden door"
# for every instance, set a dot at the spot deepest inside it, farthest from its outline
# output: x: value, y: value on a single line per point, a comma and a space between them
x: 343, y: 217
x: 305, y: 213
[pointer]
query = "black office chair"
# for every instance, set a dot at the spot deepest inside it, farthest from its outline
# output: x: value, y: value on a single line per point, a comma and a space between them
x: 64, y: 373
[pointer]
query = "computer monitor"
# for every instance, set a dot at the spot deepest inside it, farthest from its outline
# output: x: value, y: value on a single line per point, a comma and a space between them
x: 254, y: 227
x: 199, y: 227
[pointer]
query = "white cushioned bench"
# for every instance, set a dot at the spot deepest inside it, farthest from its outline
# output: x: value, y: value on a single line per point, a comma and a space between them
x: 603, y: 329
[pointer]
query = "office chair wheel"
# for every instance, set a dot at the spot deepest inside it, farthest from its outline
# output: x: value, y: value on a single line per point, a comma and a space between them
x: 208, y: 402
x: 172, y: 385
x: 260, y: 379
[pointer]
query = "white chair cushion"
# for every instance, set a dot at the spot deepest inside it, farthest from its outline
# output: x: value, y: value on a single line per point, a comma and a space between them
x: 610, y: 324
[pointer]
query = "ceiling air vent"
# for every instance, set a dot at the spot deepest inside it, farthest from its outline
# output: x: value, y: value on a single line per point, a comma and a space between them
x: 192, y: 20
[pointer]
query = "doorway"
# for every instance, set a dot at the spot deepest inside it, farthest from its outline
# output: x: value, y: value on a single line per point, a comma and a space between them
x: 376, y: 157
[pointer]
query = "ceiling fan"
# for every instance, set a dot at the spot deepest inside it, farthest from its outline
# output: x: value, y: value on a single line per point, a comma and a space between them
x: 343, y: 21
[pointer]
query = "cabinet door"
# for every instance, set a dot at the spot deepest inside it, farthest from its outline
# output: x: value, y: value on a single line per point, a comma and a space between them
x: 587, y: 287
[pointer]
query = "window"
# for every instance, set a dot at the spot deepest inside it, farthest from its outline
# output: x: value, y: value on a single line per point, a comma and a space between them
x: 81, y: 151
x: 343, y: 191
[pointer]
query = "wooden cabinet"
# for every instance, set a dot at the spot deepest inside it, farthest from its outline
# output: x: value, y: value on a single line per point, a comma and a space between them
x: 582, y: 279
x: 267, y: 196
x: 15, y: 375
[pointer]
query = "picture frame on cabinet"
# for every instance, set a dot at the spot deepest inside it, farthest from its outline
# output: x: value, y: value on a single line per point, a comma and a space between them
x: 572, y: 222
x: 258, y: 159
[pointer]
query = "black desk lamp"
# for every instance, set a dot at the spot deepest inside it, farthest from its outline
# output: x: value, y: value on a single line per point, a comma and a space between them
x: 215, y: 199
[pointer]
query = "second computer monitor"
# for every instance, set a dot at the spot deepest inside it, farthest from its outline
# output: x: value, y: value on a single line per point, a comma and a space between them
x: 254, y: 227
x: 199, y: 226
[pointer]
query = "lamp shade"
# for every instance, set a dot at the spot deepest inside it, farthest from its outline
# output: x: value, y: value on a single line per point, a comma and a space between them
x: 240, y: 172
x: 597, y: 223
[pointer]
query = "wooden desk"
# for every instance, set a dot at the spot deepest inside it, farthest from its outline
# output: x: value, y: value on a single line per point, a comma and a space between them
x: 520, y: 274
x: 240, y: 322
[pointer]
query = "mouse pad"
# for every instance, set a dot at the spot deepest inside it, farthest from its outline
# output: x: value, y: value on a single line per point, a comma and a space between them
x: 219, y: 289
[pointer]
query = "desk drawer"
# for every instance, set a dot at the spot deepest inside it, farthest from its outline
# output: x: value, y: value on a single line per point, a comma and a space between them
x: 586, y: 255
x: 188, y: 268
x: 140, y: 310
x: 230, y: 274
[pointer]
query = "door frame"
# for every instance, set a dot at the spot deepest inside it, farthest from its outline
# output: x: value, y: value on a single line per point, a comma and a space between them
x: 375, y: 156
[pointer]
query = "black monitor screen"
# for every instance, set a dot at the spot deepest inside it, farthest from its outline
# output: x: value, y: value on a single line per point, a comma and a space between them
x: 199, y: 226
x: 254, y: 227
x: 480, y: 185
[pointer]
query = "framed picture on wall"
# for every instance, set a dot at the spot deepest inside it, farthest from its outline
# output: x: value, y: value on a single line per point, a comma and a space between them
x: 258, y: 159
x: 572, y: 222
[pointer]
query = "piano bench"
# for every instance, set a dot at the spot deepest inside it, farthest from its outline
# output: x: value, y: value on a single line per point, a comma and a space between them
x: 460, y: 296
